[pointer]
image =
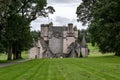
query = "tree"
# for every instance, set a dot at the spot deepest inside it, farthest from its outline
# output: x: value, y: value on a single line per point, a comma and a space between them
x: 2, y: 48
x: 18, y: 36
x: 35, y: 35
x: 15, y: 17
x: 104, y: 23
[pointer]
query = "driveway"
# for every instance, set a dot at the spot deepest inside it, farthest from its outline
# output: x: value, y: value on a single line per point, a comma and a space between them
x: 14, y: 62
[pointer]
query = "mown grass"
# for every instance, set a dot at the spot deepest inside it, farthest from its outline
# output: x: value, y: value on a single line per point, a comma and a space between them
x: 105, y: 67
x: 94, y: 51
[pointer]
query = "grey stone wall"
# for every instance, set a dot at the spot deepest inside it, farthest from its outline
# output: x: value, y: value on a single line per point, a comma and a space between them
x: 33, y: 53
x: 55, y: 44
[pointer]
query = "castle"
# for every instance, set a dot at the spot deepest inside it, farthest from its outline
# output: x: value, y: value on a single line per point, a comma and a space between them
x: 58, y: 42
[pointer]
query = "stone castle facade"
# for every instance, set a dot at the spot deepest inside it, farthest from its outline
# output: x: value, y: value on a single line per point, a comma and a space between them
x: 58, y: 42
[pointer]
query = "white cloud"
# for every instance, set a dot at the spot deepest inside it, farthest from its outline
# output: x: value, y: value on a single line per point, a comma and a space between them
x: 63, y: 1
x: 61, y: 20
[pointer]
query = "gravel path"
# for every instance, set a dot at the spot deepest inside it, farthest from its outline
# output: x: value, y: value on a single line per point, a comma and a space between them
x: 14, y: 62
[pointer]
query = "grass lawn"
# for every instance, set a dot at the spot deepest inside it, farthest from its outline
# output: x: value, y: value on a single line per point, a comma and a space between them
x: 3, y: 56
x: 97, y: 67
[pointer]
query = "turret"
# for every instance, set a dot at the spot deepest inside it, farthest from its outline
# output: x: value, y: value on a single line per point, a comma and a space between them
x: 84, y: 48
x: 83, y: 43
x: 44, y: 31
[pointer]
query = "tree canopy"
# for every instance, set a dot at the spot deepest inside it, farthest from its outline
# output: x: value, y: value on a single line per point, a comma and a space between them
x: 15, y: 18
x: 103, y: 18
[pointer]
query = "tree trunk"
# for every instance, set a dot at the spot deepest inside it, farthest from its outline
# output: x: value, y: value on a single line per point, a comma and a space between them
x: 14, y: 53
x: 117, y: 54
x: 14, y: 56
x: 9, y: 53
x: 20, y: 57
x: 17, y: 57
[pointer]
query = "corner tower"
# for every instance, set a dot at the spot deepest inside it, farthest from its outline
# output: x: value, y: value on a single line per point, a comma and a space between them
x: 44, y: 31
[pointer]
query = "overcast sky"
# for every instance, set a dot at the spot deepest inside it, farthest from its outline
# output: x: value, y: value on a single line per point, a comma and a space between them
x: 65, y: 12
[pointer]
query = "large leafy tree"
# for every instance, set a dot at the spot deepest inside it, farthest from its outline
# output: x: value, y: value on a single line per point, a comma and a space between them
x: 15, y: 17
x: 17, y: 35
x: 103, y: 19
x: 3, y: 10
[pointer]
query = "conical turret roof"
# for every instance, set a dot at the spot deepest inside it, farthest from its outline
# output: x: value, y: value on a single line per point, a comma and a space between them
x: 83, y: 43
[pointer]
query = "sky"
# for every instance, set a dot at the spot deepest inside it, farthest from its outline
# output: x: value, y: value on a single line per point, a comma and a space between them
x: 65, y: 12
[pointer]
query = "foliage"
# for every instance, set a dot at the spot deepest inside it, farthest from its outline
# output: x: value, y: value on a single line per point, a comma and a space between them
x: 17, y: 35
x: 102, y: 67
x: 2, y: 48
x: 15, y: 17
x: 35, y: 35
x: 104, y: 23
x: 30, y: 9
x: 93, y: 49
x: 82, y: 33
